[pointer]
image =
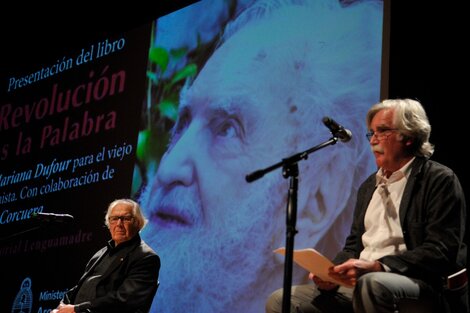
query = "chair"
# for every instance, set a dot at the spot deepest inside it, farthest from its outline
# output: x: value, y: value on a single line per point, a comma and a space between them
x: 456, y: 297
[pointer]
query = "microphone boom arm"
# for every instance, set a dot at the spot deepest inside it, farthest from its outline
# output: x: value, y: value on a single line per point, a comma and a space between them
x: 289, y: 160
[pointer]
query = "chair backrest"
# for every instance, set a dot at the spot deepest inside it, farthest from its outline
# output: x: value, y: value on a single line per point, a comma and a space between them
x: 456, y: 295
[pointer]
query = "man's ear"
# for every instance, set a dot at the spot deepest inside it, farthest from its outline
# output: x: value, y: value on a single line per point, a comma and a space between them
x: 407, y: 141
x: 325, y: 213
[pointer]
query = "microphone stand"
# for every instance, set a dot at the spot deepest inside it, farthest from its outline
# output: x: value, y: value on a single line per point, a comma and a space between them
x: 29, y: 225
x: 290, y: 169
x: 11, y: 236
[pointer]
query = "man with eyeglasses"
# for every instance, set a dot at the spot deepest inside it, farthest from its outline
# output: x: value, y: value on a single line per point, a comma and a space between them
x: 121, y: 277
x: 406, y: 250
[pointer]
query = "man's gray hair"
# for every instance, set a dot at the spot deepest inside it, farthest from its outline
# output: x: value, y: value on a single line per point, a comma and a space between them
x: 411, y: 120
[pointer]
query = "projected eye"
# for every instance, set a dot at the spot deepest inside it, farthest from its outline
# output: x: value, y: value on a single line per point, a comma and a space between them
x: 227, y: 130
x: 227, y: 127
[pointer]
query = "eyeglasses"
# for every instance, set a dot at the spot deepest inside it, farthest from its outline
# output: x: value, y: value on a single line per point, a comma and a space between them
x: 380, y: 133
x: 126, y: 219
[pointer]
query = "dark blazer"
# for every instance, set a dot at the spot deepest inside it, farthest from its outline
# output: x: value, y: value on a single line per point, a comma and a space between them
x: 128, y: 285
x: 432, y: 217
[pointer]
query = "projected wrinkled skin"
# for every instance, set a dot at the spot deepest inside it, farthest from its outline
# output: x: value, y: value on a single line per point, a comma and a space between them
x: 258, y: 99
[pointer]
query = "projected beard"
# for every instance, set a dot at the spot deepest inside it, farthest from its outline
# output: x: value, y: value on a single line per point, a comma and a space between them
x: 219, y: 259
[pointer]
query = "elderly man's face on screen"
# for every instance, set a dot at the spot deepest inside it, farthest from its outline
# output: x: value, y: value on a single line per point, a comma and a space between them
x: 217, y: 229
x: 258, y: 99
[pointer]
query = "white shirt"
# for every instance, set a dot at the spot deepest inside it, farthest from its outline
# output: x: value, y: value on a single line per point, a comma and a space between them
x: 383, y: 233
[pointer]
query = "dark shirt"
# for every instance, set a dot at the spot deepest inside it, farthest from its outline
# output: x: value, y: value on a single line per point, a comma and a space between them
x: 120, y: 279
x: 87, y: 290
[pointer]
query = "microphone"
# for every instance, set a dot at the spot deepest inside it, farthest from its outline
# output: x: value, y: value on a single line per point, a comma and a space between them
x: 51, y: 217
x: 337, y: 130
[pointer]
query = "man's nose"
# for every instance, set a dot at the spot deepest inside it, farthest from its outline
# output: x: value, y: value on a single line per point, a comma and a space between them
x: 373, y: 139
x: 177, y: 165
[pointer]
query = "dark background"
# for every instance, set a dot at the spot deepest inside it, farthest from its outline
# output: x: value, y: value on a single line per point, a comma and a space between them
x: 428, y: 61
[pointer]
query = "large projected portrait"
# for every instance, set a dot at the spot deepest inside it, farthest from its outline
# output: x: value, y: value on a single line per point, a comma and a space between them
x: 235, y: 86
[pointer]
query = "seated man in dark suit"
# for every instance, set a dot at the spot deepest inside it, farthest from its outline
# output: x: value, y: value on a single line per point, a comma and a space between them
x: 121, y: 277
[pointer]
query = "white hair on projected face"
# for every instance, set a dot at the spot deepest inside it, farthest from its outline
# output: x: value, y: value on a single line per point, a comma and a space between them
x: 329, y: 60
x: 337, y: 45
